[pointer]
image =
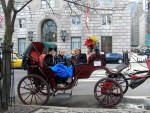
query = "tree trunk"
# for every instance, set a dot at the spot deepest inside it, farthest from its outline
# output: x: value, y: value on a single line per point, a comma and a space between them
x: 6, y: 65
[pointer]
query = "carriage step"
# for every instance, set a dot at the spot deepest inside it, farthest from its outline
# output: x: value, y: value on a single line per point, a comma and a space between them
x: 64, y: 93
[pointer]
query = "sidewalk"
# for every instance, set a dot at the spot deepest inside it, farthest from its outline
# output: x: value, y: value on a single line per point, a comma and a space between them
x: 53, y: 109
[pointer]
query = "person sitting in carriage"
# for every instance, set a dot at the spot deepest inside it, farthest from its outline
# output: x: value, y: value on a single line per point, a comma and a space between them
x: 96, y: 55
x: 80, y: 58
x: 93, y: 50
x: 62, y: 70
x: 61, y: 58
x: 51, y: 59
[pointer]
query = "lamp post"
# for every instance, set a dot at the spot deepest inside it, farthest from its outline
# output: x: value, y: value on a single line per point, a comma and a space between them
x: 63, y: 35
x: 30, y: 35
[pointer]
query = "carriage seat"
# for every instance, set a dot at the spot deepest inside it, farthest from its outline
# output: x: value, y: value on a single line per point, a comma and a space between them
x: 148, y: 63
x: 41, y: 60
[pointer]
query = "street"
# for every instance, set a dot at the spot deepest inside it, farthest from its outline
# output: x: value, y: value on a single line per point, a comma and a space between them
x: 83, y: 93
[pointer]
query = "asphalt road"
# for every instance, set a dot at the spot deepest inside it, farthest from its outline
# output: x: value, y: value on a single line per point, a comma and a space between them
x: 83, y: 92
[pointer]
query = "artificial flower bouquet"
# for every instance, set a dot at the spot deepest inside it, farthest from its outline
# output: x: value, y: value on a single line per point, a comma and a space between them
x: 91, y: 42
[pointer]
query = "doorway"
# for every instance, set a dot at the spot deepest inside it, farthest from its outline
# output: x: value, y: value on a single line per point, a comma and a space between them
x: 106, y: 44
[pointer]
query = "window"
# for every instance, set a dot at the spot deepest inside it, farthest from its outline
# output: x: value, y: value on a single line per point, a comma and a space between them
x: 101, y: 2
x: 52, y: 3
x: 21, y: 45
x: 1, y: 9
x: 18, y: 5
x: 43, y: 3
x: 49, y: 31
x: 1, y: 41
x: 106, y: 19
x: 22, y: 22
x: 111, y: 1
x: 74, y: 1
x: 75, y: 42
x: 76, y: 20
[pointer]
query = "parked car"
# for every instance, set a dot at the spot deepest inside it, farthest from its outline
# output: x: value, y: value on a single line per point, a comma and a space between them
x: 114, y: 58
x: 15, y: 61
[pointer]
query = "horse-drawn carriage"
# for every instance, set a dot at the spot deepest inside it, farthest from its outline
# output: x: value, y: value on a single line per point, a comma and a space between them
x: 40, y: 82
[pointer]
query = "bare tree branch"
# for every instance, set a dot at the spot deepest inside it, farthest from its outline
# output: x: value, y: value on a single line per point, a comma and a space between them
x: 83, y: 5
x: 24, y: 6
x: 70, y: 8
x: 3, y: 5
x: 78, y: 7
x: 50, y: 7
x: 76, y: 3
x: 14, y: 18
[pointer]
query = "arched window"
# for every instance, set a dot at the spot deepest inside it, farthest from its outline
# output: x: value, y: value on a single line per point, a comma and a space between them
x: 49, y: 31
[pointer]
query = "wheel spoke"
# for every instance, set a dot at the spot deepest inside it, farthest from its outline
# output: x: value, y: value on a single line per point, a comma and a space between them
x: 42, y: 93
x: 100, y: 86
x: 31, y: 99
x: 104, y: 98
x: 107, y: 99
x: 100, y: 96
x: 26, y: 83
x: 28, y: 97
x: 35, y: 99
x: 112, y: 99
x: 31, y: 84
x: 24, y: 93
x: 39, y: 97
x: 121, y: 82
x: 98, y: 91
x: 26, y: 88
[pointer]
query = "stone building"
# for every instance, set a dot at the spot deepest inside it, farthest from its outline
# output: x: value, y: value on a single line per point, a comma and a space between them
x: 46, y: 21
x: 139, y: 24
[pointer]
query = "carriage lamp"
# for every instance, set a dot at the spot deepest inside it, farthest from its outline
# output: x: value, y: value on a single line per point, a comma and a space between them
x: 63, y: 35
x: 30, y: 35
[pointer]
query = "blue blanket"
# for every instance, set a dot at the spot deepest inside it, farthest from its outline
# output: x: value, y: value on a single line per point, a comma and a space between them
x: 62, y: 71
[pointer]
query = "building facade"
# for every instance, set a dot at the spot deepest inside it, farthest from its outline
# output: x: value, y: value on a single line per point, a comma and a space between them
x: 43, y: 21
x: 139, y: 24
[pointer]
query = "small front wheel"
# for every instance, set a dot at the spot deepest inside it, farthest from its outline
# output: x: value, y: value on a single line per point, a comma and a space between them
x: 33, y: 90
x: 108, y: 92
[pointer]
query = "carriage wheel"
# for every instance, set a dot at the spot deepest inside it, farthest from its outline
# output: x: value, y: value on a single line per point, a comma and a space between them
x: 108, y: 92
x: 123, y: 83
x: 33, y: 90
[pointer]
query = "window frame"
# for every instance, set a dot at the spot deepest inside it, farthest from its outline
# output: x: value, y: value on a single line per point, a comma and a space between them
x: 77, y: 20
x: 22, y: 22
x: 75, y: 42
x: 106, y: 19
x: 1, y: 9
x: 1, y: 41
x: 101, y: 2
x: 43, y: 5
x: 52, y: 3
x: 19, y: 44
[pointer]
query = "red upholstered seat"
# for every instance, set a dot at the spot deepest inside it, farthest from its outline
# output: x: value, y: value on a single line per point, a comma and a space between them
x: 34, y: 56
x: 41, y: 60
x: 148, y: 63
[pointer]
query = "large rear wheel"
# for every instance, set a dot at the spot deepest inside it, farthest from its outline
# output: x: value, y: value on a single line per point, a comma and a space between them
x: 108, y: 92
x: 33, y: 90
